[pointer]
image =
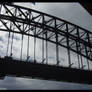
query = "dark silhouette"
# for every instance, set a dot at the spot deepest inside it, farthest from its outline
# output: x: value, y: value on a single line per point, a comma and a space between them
x: 54, y: 30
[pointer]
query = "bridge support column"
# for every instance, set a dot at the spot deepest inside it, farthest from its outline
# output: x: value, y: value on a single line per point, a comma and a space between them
x: 8, y: 44
x: 57, y: 48
x: 46, y: 49
x: 67, y: 41
x: 35, y: 46
x: 78, y: 55
x: 21, y: 48
x: 28, y: 48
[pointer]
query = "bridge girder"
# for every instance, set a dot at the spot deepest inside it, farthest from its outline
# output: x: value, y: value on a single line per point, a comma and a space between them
x: 58, y: 31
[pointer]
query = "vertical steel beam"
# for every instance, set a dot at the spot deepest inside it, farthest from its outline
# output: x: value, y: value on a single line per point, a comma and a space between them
x: 8, y: 41
x: 87, y: 56
x: 42, y: 48
x: 8, y: 44
x: 21, y: 48
x: 77, y: 45
x: 43, y: 37
x: 35, y: 45
x: 87, y: 51
x: 68, y: 51
x: 12, y: 42
x: 28, y: 47
x: 46, y: 48
x: 79, y: 49
x: 89, y: 42
x: 57, y: 51
x: 81, y: 59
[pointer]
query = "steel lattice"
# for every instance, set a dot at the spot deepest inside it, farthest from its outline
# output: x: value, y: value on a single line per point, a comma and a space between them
x: 22, y: 20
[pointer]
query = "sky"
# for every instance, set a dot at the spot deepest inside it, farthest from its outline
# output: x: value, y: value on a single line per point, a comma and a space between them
x: 71, y: 12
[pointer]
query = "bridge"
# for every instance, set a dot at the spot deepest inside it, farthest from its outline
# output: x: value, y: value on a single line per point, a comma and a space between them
x: 67, y: 39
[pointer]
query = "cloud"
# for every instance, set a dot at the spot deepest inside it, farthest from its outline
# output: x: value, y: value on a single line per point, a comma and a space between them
x: 1, y: 39
x: 16, y: 37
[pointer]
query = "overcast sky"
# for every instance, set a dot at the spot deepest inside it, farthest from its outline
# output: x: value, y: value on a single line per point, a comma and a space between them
x: 71, y: 12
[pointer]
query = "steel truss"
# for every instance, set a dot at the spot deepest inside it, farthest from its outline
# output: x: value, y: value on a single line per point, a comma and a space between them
x: 40, y: 25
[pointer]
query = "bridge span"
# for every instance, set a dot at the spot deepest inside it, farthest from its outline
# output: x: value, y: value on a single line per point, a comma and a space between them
x: 49, y: 29
x: 41, y: 71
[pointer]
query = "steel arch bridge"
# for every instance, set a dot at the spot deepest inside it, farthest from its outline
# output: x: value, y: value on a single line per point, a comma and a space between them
x: 48, y: 28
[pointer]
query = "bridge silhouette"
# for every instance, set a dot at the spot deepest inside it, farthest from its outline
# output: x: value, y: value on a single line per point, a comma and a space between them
x: 49, y: 29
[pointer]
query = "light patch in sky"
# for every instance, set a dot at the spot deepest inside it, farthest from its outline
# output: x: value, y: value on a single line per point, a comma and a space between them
x: 72, y: 12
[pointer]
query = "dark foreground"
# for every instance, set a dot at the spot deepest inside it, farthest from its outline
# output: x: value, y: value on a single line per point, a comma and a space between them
x: 40, y: 71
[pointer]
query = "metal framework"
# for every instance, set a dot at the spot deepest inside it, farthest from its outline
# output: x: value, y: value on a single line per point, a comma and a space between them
x: 25, y: 21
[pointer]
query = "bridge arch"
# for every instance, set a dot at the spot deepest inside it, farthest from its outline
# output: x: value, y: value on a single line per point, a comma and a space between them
x: 48, y: 28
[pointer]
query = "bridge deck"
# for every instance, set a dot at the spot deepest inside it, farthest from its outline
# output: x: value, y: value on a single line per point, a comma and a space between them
x: 41, y: 71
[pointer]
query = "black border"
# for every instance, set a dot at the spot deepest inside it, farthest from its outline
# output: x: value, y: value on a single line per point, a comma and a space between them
x: 50, y: 1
